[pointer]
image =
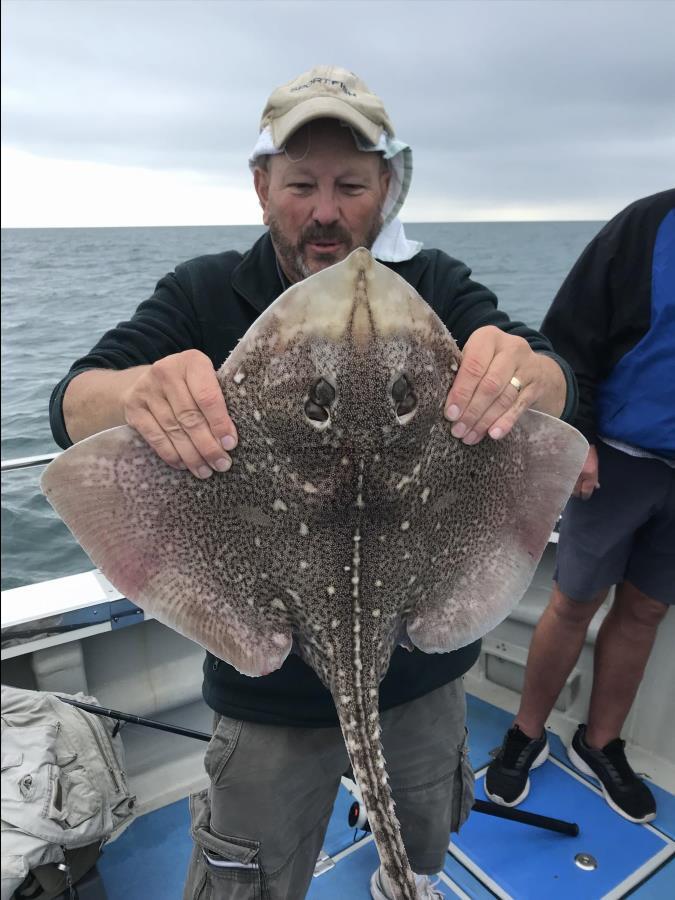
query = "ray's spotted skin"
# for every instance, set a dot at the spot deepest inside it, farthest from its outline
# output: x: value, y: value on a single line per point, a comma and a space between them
x: 351, y: 519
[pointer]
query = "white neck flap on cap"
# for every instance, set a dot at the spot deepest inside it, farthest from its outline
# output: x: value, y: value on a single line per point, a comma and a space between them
x: 391, y: 244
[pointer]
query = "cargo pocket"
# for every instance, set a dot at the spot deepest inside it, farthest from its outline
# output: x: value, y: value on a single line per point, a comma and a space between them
x: 73, y: 799
x: 222, y: 867
x: 221, y: 746
x: 28, y: 773
x: 463, y: 787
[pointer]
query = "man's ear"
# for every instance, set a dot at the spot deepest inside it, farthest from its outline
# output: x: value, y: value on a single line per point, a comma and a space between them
x: 385, y: 178
x: 261, y: 182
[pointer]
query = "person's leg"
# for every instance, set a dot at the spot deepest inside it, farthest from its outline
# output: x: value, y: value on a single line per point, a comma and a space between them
x: 625, y: 641
x: 555, y: 647
x: 596, y: 544
x: 554, y: 650
x: 622, y: 649
x: 424, y: 744
x: 259, y: 828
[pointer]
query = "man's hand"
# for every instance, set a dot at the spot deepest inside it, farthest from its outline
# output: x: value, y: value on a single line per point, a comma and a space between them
x: 587, y: 481
x: 177, y: 406
x: 483, y: 400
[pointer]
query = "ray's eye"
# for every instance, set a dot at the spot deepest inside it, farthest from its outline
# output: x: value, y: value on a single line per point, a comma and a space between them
x: 405, y: 399
x: 322, y: 392
x: 315, y: 412
x: 321, y: 395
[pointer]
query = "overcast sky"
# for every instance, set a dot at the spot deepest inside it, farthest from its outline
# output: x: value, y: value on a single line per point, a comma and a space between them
x: 144, y: 112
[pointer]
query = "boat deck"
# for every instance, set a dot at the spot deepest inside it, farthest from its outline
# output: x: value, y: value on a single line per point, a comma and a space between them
x: 491, y: 857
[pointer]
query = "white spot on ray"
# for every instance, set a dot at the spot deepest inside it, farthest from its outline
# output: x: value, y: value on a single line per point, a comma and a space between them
x: 279, y: 506
x: 279, y: 604
x: 257, y: 415
x: 405, y: 525
x: 310, y: 488
x: 239, y: 377
x: 304, y: 530
x: 425, y: 494
x: 330, y: 590
x: 376, y: 613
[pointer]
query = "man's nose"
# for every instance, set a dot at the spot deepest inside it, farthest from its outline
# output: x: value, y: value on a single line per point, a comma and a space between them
x: 326, y: 210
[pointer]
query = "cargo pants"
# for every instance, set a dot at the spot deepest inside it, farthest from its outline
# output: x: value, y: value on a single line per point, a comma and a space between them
x: 259, y: 827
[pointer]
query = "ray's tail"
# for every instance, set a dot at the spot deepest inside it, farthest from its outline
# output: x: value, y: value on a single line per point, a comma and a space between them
x: 360, y: 723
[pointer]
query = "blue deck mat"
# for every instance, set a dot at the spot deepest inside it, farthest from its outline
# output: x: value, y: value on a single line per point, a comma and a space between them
x: 150, y: 859
x: 529, y: 862
x: 660, y: 886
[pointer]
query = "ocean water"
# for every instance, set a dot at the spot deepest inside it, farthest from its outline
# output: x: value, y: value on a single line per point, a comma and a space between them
x: 62, y: 288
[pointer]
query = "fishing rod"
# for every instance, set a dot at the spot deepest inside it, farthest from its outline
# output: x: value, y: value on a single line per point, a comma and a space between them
x: 356, y: 817
x: 135, y: 720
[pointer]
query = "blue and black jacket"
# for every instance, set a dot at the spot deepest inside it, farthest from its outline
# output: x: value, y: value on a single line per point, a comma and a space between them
x: 613, y: 320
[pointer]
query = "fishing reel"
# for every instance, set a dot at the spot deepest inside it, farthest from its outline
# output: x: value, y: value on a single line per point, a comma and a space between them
x: 357, y: 816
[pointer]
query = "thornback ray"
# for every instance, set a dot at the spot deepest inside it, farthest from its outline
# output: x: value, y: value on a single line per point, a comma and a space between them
x: 351, y: 519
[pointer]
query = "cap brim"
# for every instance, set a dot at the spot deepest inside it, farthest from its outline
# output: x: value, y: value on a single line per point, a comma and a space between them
x: 322, y: 108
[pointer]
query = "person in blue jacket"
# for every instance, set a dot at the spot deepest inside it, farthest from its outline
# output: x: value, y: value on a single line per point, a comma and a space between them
x: 614, y: 321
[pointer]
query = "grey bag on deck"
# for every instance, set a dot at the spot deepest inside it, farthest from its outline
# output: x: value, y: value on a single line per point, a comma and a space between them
x: 64, y: 788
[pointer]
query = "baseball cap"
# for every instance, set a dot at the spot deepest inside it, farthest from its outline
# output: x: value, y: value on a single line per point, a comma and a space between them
x: 325, y: 92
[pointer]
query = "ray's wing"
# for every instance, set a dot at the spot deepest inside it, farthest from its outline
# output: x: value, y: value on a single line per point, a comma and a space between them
x: 171, y: 543
x: 494, y: 507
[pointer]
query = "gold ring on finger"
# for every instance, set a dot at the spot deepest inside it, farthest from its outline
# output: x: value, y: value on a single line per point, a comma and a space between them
x: 516, y: 383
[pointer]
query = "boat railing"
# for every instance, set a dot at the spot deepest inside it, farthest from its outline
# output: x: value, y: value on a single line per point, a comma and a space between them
x: 28, y: 462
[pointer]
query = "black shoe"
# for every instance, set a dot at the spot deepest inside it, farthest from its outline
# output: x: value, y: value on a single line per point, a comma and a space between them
x: 507, y: 780
x: 624, y: 791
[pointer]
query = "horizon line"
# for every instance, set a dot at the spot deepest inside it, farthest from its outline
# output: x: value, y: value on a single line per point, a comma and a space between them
x: 254, y: 225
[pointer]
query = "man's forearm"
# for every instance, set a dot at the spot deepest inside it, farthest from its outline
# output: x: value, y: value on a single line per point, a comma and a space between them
x: 94, y: 400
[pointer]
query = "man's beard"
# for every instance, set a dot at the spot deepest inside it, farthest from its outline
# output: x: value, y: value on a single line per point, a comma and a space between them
x: 292, y: 256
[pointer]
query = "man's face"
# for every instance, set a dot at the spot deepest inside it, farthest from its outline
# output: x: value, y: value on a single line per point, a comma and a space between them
x: 322, y: 198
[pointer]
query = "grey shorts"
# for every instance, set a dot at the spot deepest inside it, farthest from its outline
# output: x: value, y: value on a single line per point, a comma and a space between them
x: 272, y: 792
x: 624, y: 532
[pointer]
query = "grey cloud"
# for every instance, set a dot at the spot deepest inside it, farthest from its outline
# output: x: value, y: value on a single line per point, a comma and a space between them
x: 505, y: 103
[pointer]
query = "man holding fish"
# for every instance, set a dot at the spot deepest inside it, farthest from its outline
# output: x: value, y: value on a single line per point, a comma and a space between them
x: 331, y: 177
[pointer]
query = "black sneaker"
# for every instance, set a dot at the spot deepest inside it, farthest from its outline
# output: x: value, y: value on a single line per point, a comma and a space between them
x: 507, y: 780
x: 624, y: 791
